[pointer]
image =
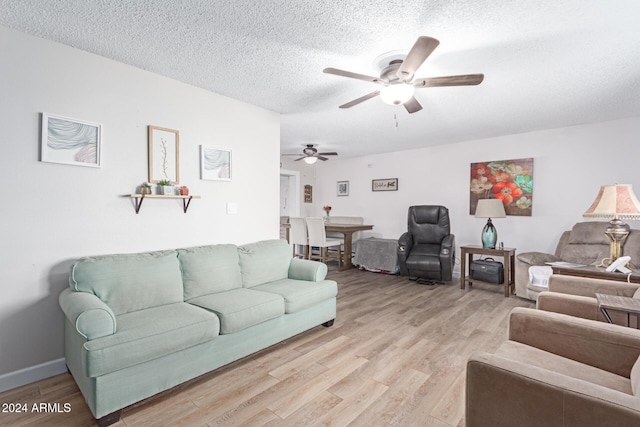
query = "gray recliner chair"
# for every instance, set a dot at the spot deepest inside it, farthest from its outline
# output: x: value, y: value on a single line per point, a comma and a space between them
x: 427, y: 250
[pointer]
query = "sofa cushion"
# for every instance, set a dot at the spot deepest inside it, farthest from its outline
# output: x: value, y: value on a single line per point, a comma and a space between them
x: 635, y: 378
x: 264, y: 262
x: 552, y: 362
x: 130, y: 282
x: 148, y: 334
x: 209, y: 269
x: 589, y: 233
x: 299, y: 294
x: 239, y: 309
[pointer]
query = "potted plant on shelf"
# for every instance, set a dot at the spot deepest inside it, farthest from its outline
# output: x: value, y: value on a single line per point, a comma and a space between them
x: 145, y: 188
x: 166, y: 187
x: 184, y: 190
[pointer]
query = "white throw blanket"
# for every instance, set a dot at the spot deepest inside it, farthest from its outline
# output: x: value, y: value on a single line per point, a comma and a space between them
x: 539, y: 275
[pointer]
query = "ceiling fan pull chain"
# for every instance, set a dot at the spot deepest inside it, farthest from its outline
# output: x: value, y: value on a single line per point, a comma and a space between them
x: 395, y: 117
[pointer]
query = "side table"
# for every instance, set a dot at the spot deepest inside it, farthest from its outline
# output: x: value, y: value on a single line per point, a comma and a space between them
x: 622, y: 304
x: 507, y: 254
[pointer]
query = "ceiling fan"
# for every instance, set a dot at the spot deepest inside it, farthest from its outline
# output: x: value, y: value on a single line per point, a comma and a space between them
x: 310, y: 155
x: 397, y: 77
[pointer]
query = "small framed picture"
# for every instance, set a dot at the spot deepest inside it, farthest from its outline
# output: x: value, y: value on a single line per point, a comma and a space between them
x: 343, y: 188
x: 215, y: 163
x: 389, y: 184
x: 164, y: 155
x: 70, y: 141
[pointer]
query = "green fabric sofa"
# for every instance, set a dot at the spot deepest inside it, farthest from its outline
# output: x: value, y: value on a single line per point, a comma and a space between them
x: 138, y: 324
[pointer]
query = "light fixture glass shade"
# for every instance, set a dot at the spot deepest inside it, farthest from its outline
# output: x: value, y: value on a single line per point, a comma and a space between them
x: 395, y: 94
x: 310, y: 160
x: 615, y: 202
x: 490, y: 208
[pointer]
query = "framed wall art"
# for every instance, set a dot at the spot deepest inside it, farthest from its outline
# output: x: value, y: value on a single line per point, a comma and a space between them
x: 343, y: 188
x: 308, y: 193
x: 164, y: 148
x: 70, y: 141
x: 508, y: 180
x: 389, y: 184
x: 215, y: 163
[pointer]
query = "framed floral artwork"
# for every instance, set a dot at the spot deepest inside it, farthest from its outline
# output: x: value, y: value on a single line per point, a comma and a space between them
x: 508, y: 180
x: 164, y: 155
x: 70, y: 141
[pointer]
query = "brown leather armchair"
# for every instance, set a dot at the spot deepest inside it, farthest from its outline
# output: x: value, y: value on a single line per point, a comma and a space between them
x: 556, y: 370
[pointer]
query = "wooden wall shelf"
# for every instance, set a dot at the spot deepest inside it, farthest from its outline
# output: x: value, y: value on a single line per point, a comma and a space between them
x: 139, y: 198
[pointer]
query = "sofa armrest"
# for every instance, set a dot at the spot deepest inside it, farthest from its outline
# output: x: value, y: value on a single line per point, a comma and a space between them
x: 536, y: 258
x: 609, y: 347
x: 573, y: 305
x: 501, y: 391
x: 589, y: 287
x: 91, y: 317
x: 304, y: 269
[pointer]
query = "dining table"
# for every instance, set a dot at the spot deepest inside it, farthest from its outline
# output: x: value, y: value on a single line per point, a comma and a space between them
x: 347, y: 230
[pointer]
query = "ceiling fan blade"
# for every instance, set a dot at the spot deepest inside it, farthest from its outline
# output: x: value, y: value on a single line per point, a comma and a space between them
x: 412, y: 105
x: 422, y: 48
x: 322, y: 158
x: 361, y: 99
x: 300, y: 158
x: 349, y: 74
x: 333, y: 153
x: 461, y: 80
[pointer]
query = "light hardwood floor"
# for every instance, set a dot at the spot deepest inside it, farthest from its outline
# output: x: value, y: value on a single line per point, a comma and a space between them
x: 396, y: 355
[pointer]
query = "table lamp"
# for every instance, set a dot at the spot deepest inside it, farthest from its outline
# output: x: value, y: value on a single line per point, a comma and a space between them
x: 490, y: 208
x: 615, y: 202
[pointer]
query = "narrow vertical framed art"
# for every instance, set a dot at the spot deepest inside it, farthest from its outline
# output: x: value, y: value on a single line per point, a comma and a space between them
x: 164, y: 145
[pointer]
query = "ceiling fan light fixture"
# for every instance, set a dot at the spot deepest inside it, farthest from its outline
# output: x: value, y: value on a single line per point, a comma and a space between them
x: 395, y: 94
x: 310, y: 160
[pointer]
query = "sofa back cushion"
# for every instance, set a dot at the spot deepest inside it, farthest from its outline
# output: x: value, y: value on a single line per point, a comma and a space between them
x: 264, y: 262
x: 130, y: 282
x: 586, y: 243
x: 209, y: 269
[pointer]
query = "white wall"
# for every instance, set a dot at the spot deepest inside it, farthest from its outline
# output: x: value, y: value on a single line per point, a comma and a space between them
x: 570, y: 164
x: 52, y: 213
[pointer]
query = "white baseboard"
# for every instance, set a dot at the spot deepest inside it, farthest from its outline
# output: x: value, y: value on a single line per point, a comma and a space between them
x: 32, y: 374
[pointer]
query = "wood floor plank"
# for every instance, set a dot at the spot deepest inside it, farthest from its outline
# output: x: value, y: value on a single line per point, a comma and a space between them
x: 396, y: 356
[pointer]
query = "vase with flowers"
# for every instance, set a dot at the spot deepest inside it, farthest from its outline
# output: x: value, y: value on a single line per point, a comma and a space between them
x: 327, y: 210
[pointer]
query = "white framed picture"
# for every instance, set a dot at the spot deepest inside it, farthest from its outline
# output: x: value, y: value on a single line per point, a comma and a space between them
x: 164, y: 155
x: 343, y: 188
x: 215, y: 163
x: 70, y: 141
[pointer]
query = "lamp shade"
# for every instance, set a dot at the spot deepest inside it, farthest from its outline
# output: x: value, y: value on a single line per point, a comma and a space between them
x: 615, y: 201
x: 490, y: 208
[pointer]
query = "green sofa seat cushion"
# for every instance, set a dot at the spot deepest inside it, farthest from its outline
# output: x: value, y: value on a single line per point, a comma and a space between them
x: 264, y: 262
x: 300, y: 294
x: 209, y: 269
x: 148, y: 334
x: 130, y: 282
x: 239, y: 309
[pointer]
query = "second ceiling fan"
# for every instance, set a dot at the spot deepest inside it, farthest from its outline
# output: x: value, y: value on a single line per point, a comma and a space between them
x: 397, y: 78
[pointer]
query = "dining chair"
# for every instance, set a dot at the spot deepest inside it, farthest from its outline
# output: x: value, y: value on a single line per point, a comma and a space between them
x: 298, y: 237
x: 318, y: 239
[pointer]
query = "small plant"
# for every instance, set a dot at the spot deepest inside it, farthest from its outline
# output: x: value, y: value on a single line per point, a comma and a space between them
x: 145, y: 188
x: 164, y: 182
x: 184, y: 190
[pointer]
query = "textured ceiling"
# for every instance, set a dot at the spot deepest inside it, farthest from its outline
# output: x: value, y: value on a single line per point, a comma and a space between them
x: 547, y: 63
